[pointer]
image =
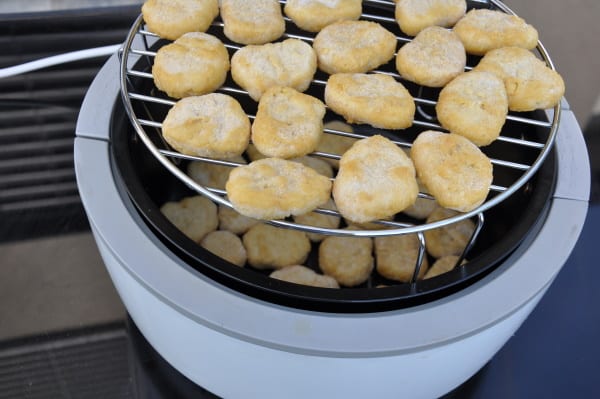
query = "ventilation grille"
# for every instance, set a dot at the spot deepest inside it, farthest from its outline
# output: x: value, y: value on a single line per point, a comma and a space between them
x: 88, y: 364
x: 38, y: 112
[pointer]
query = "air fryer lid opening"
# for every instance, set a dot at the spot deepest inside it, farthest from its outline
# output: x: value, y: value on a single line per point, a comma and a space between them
x: 150, y: 185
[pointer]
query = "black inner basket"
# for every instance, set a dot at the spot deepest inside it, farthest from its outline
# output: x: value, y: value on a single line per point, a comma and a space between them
x: 150, y: 185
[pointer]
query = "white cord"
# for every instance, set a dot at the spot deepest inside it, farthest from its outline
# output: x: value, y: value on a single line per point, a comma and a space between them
x: 58, y: 59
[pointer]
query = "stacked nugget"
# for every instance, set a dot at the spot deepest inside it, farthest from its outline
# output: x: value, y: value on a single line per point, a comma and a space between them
x: 373, y: 179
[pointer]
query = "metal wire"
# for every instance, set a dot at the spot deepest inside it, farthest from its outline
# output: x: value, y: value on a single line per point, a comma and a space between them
x: 169, y: 159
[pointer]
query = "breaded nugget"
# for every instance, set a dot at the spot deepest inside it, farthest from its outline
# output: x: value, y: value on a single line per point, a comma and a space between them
x: 376, y: 179
x: 433, y: 58
x: 269, y: 247
x: 443, y: 265
x: 317, y: 164
x: 314, y: 15
x: 319, y: 220
x: 475, y: 106
x: 453, y: 169
x: 212, y: 175
x: 226, y: 245
x: 213, y: 125
x: 303, y: 275
x: 170, y: 19
x: 483, y: 30
x: 288, y: 123
x: 291, y: 63
x: 448, y: 240
x: 252, y: 22
x: 231, y: 220
x: 195, y: 64
x: 195, y: 216
x: 396, y: 257
x: 529, y: 83
x: 274, y: 188
x: 353, y: 47
x: 375, y: 99
x: 422, y: 207
x: 348, y: 260
x: 415, y: 15
x: 334, y: 143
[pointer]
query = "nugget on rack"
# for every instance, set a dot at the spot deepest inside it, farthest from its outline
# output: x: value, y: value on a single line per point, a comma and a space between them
x: 274, y: 188
x: 314, y: 15
x: 529, y: 82
x: 291, y: 63
x: 433, y: 58
x: 270, y: 247
x: 451, y: 239
x: 453, y: 169
x: 213, y: 125
x: 375, y: 99
x: 415, y: 15
x: 226, y: 245
x: 483, y: 30
x: 196, y: 63
x: 474, y: 105
x: 303, y: 275
x: 194, y: 216
x: 396, y: 257
x: 353, y: 47
x: 288, y: 123
x: 349, y: 260
x: 252, y: 22
x: 376, y: 180
x: 170, y: 19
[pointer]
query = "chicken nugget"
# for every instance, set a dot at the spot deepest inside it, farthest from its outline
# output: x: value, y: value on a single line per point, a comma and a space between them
x: 252, y: 22
x: 194, y: 216
x: 303, y: 275
x: 270, y: 247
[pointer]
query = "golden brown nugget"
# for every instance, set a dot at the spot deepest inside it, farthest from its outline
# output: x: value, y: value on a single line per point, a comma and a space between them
x: 376, y: 179
x: 212, y: 175
x: 196, y: 63
x: 274, y: 188
x: 453, y: 169
x: 348, y: 260
x: 288, y: 123
x: 353, y: 47
x: 269, y: 247
x: 483, y: 30
x: 314, y: 15
x: 252, y: 22
x: 195, y: 216
x: 213, y: 125
x: 303, y: 275
x: 448, y: 240
x: 335, y: 144
x: 226, y: 245
x: 291, y: 63
x: 443, y: 265
x: 319, y: 220
x: 433, y: 58
x: 317, y: 164
x: 231, y: 220
x: 529, y: 83
x: 415, y: 15
x: 422, y: 207
x: 475, y: 106
x: 170, y: 19
x: 396, y: 257
x: 375, y: 99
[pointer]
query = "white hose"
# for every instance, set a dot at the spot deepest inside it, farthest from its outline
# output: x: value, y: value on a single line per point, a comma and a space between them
x: 58, y: 59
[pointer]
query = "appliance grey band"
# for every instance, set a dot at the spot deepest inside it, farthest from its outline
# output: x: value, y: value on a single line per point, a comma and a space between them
x: 520, y: 278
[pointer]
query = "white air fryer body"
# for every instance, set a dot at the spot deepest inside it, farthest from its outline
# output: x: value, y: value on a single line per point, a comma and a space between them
x: 237, y: 346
